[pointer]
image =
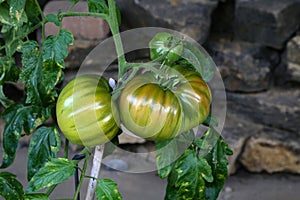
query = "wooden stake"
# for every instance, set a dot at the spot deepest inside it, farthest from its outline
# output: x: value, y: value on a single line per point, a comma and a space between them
x: 98, y: 155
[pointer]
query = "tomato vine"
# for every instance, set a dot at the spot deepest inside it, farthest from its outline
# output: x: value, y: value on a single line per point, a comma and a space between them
x: 198, y: 171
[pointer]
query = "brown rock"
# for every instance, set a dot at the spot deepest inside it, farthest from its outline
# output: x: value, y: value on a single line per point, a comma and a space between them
x: 293, y: 59
x: 129, y: 138
x: 293, y: 72
x: 293, y: 50
x: 236, y: 132
x: 88, y: 28
x: 272, y: 150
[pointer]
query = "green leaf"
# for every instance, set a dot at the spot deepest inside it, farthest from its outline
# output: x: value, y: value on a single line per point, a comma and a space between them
x: 52, y: 75
x: 32, y: 71
x: 4, y: 14
x: 31, y: 11
x: 211, y: 121
x: 55, y: 48
x: 18, y: 118
x: 54, y: 19
x: 4, y: 100
x: 8, y: 70
x: 207, y: 142
x: 218, y: 162
x: 17, y: 13
x: 168, y: 151
x: 201, y: 171
x: 44, y: 145
x: 164, y: 163
x: 36, y: 197
x: 165, y: 47
x: 14, y: 37
x: 187, y: 179
x: 106, y: 189
x: 42, y: 77
x: 98, y: 6
x: 55, y: 171
x: 10, y: 187
x: 202, y: 63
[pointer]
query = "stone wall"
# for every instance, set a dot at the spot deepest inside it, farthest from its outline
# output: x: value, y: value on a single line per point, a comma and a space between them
x: 256, y: 46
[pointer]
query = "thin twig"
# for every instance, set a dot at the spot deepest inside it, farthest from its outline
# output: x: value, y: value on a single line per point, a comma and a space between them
x: 82, y: 176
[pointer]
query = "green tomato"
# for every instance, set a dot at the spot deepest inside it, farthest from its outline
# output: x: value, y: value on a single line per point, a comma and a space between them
x: 165, y: 47
x: 85, y: 112
x: 151, y: 111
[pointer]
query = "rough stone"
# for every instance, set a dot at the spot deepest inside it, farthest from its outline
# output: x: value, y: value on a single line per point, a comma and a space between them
x: 222, y: 20
x: 78, y: 52
x: 293, y: 72
x: 278, y: 107
x: 129, y: 139
x: 244, y: 67
x: 272, y: 150
x: 88, y: 28
x: 191, y: 17
x: 116, y: 164
x: 268, y: 22
x: 293, y: 59
x: 293, y: 50
x: 236, y: 132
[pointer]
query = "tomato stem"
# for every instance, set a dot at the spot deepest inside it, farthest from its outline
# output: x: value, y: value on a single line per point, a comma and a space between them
x: 82, y: 176
x: 112, y: 21
x: 43, y: 19
x: 83, y: 14
x: 114, y: 27
x: 66, y: 150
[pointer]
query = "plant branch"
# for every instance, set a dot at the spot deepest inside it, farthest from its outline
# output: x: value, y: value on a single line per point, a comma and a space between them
x: 44, y: 20
x: 82, y: 176
x: 112, y: 21
x: 83, y: 14
x: 85, y: 151
x: 66, y: 150
x: 114, y: 27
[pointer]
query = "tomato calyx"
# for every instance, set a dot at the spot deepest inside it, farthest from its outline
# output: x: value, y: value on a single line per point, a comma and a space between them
x: 162, y: 73
x: 165, y: 76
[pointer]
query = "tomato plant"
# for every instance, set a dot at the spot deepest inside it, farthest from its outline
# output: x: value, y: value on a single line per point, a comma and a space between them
x: 164, y: 104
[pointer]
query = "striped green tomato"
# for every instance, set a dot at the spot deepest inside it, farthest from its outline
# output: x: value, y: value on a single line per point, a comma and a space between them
x: 85, y: 112
x: 154, y: 112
